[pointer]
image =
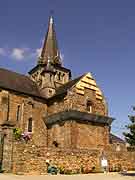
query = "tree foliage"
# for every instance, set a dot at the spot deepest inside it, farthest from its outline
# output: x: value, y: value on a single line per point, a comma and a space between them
x: 130, y: 135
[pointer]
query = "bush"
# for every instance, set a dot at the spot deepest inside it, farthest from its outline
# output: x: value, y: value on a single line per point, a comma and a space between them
x: 52, y: 170
x: 61, y: 170
x: 17, y: 133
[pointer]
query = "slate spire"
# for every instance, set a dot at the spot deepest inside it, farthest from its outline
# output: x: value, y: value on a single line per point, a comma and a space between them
x: 50, y: 47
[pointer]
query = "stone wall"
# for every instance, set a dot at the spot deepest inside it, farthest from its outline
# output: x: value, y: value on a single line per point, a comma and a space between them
x: 31, y: 159
x: 7, y: 158
x: 61, y: 134
x: 120, y: 160
x: 72, y: 134
x: 27, y: 159
x: 15, y: 111
x: 92, y: 135
x: 78, y: 102
x: 18, y: 109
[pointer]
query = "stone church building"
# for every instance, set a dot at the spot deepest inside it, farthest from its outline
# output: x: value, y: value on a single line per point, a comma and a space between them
x: 46, y: 116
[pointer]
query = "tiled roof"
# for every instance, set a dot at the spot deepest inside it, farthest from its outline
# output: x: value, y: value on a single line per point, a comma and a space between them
x: 18, y: 82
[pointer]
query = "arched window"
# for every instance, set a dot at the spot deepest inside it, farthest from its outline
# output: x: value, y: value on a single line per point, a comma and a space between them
x: 30, y: 125
x: 89, y: 106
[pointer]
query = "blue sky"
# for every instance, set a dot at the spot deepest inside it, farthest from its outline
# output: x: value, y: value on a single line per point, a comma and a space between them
x: 93, y: 35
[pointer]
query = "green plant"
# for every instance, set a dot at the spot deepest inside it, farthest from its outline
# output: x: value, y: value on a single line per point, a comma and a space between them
x: 130, y: 135
x: 17, y: 133
x: 61, y: 170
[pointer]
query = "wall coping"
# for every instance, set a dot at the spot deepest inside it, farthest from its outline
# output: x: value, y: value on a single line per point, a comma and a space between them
x: 78, y: 116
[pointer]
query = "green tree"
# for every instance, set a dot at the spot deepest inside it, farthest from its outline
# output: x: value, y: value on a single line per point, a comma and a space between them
x: 130, y: 135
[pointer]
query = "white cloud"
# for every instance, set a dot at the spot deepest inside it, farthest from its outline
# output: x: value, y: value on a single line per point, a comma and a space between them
x: 2, y: 51
x: 21, y: 53
x: 18, y: 53
x: 38, y: 52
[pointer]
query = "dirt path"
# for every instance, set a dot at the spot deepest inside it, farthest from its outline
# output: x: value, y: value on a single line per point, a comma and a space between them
x: 69, y: 177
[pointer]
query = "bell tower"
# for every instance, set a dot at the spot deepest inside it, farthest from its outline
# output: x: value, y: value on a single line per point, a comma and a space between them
x: 49, y: 72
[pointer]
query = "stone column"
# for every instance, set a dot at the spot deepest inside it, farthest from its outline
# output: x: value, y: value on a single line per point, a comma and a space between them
x: 7, y: 161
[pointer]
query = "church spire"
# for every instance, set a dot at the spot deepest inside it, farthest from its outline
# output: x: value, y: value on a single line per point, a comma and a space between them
x: 50, y: 46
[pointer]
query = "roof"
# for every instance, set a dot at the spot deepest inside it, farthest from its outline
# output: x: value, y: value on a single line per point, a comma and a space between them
x: 82, y: 117
x: 50, y: 46
x: 17, y: 82
x: 116, y: 139
x: 63, y: 89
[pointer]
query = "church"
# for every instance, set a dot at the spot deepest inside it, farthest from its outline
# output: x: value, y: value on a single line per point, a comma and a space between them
x: 48, y: 117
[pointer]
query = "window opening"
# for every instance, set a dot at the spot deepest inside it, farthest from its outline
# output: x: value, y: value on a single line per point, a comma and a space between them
x: 89, y: 106
x: 18, y: 113
x: 30, y: 125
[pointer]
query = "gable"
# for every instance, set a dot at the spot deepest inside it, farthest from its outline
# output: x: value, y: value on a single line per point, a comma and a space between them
x: 88, y: 82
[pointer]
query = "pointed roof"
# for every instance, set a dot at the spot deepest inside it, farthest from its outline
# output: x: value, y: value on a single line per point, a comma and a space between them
x: 50, y: 47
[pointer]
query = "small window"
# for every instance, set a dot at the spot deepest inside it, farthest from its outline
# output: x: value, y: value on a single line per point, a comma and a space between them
x: 18, y: 113
x: 30, y: 125
x: 89, y: 106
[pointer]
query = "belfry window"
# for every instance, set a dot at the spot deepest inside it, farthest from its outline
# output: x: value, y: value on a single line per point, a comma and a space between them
x: 30, y: 125
x: 89, y: 106
x: 59, y: 76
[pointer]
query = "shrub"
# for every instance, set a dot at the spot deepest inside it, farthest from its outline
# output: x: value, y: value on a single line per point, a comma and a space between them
x: 17, y: 133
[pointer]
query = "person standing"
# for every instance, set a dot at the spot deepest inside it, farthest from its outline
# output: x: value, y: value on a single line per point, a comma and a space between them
x: 104, y: 164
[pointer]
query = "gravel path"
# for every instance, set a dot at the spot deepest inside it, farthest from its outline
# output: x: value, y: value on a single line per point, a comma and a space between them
x: 112, y: 176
